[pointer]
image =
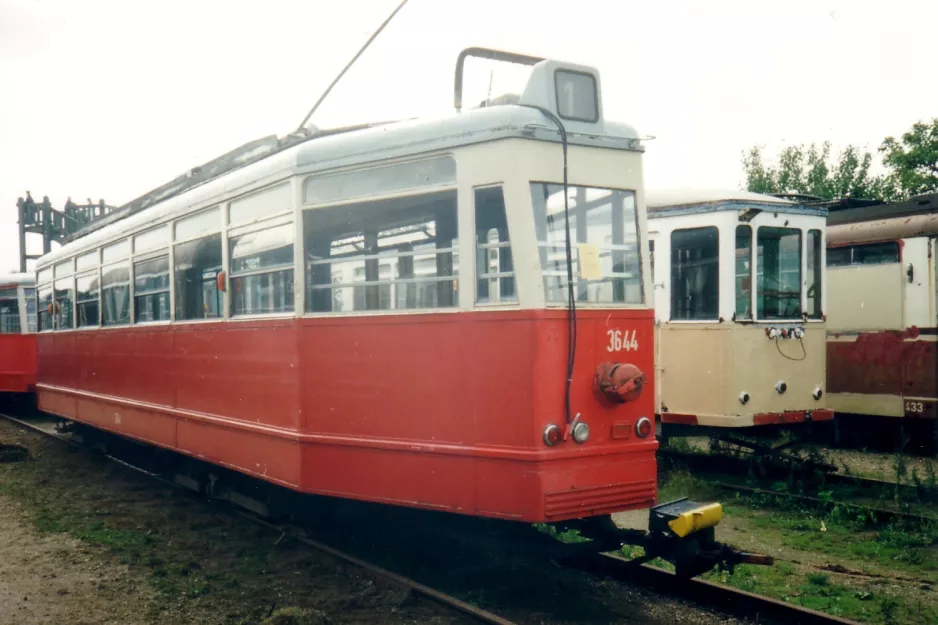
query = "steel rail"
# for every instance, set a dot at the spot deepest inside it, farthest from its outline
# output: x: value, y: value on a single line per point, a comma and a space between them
x: 703, y: 460
x: 405, y: 582
x: 879, y: 513
x: 727, y: 599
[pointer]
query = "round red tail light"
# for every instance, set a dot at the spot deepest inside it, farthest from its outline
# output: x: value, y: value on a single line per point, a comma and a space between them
x: 643, y: 427
x: 552, y: 435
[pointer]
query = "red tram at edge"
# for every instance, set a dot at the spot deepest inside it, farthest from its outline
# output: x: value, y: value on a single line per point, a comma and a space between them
x: 382, y: 314
x: 17, y: 335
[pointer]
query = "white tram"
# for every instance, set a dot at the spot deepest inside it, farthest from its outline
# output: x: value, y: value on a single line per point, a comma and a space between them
x: 739, y: 307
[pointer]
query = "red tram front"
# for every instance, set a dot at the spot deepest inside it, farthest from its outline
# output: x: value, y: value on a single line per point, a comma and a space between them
x: 17, y: 333
x: 383, y: 313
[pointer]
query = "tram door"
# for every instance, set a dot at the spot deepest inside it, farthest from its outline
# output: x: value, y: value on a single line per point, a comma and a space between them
x: 211, y: 297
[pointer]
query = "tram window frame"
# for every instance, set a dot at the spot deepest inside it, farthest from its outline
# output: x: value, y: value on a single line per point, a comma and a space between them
x: 743, y: 295
x: 259, y: 206
x: 44, y: 300
x: 88, y: 302
x: 864, y: 254
x: 150, y: 295
x: 351, y: 234
x: 814, y: 268
x: 623, y: 287
x: 10, y: 322
x: 763, y: 312
x: 64, y: 306
x: 245, y: 281
x: 191, y: 282
x: 707, y: 240
x: 592, y: 103
x: 113, y: 288
x: 32, y: 317
x: 494, y: 266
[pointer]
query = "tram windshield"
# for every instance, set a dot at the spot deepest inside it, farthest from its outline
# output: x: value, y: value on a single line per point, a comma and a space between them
x: 778, y: 283
x: 9, y: 312
x: 603, y: 233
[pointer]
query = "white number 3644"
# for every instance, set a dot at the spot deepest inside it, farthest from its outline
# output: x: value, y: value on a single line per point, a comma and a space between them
x: 620, y: 340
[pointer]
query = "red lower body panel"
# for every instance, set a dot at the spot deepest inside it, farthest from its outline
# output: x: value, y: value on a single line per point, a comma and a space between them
x: 443, y: 412
x: 17, y: 363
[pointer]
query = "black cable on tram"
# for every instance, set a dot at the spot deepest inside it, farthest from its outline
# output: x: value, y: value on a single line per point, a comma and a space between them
x: 571, y: 295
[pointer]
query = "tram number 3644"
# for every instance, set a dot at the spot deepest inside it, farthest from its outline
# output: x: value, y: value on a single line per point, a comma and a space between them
x: 621, y: 340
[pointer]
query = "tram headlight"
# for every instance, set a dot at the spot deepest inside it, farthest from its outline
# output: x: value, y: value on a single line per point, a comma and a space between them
x: 744, y: 398
x: 581, y: 432
x: 781, y: 387
x: 643, y: 427
x: 552, y: 435
x: 817, y: 394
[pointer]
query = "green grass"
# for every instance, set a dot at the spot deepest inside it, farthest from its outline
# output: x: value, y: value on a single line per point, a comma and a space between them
x: 829, y: 535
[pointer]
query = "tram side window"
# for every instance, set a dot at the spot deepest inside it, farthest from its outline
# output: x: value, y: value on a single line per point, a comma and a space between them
x: 262, y: 271
x: 743, y: 272
x: 392, y: 254
x: 115, y: 295
x: 865, y: 254
x: 151, y: 290
x: 695, y: 275
x: 494, y: 268
x: 9, y: 312
x: 45, y: 307
x: 197, y: 264
x: 86, y: 287
x: 779, y: 279
x: 603, y: 222
x: 31, y: 320
x: 815, y: 274
x: 64, y: 299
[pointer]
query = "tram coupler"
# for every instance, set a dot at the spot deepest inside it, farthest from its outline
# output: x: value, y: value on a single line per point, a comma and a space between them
x: 683, y: 533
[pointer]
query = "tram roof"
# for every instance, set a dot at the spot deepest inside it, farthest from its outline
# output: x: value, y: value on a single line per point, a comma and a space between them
x: 673, y: 202
x: 26, y: 279
x: 339, y: 149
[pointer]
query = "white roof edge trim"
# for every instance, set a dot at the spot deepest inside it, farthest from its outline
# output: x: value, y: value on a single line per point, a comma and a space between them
x: 401, y: 140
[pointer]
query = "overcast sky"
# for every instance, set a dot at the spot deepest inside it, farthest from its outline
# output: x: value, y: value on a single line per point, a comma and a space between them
x: 110, y: 99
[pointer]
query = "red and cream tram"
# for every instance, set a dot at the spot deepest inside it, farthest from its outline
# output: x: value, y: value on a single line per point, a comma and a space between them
x: 882, y: 319
x: 17, y: 333
x: 382, y: 314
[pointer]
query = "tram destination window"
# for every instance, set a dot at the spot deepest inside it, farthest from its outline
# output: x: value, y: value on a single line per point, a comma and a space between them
x: 64, y: 300
x: 695, y: 274
x: 779, y: 281
x: 262, y: 271
x: 494, y: 267
x: 576, y: 96
x: 86, y: 295
x: 601, y: 220
x: 115, y: 295
x: 9, y: 312
x: 743, y: 272
x: 815, y: 274
x: 391, y: 254
x: 151, y: 290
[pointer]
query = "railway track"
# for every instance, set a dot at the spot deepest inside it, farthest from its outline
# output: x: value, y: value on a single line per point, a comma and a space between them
x: 728, y: 600
x: 709, y: 462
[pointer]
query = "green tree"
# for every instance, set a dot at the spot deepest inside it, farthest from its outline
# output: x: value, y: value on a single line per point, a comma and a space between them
x: 913, y: 159
x: 811, y: 170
